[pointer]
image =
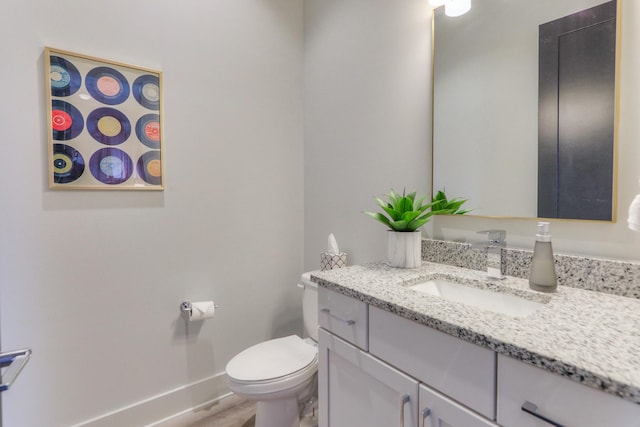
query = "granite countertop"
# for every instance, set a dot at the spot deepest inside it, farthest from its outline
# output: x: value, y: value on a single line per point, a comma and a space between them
x: 590, y: 337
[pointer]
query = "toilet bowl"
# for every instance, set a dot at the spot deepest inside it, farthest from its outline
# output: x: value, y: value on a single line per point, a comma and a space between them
x: 280, y: 372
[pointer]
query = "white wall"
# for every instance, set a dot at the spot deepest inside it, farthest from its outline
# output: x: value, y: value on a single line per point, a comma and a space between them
x: 92, y: 281
x: 368, y: 128
x: 367, y: 117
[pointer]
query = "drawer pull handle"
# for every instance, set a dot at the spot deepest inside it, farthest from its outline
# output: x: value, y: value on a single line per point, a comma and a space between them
x: 329, y: 313
x: 425, y: 414
x: 531, y: 408
x: 403, y: 401
x: 14, y: 361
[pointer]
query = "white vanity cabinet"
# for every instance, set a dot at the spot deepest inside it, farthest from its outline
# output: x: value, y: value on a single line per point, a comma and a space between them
x: 378, y: 369
x: 456, y: 368
x: 562, y: 402
x: 383, y: 388
x: 356, y: 389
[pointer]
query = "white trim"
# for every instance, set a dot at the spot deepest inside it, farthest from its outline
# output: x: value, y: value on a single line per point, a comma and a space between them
x: 166, y: 406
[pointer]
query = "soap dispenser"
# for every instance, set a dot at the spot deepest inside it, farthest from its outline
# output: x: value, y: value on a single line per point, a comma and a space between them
x: 543, y: 269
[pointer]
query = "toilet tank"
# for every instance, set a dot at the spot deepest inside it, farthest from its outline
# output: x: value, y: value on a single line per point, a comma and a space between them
x: 310, y: 305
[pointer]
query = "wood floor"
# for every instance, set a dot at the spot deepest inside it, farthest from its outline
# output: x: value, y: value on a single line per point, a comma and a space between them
x: 240, y: 413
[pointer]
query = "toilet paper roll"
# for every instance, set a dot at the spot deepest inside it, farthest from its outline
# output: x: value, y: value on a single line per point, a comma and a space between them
x: 201, y: 310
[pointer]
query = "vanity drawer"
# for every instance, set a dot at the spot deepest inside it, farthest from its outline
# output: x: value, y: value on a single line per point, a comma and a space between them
x: 344, y: 316
x: 441, y: 411
x: 559, y: 399
x: 461, y: 370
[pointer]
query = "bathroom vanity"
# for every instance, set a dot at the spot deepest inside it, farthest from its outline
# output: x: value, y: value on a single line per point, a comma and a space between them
x: 392, y: 354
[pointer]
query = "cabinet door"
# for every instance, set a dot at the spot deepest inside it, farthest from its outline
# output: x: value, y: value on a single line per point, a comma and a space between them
x: 356, y: 389
x: 436, y: 410
x: 527, y: 394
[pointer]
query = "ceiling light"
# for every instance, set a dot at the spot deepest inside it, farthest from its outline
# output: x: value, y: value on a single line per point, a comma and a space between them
x: 456, y: 7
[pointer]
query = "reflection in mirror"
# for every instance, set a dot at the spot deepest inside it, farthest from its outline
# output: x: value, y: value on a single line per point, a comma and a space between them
x: 486, y: 110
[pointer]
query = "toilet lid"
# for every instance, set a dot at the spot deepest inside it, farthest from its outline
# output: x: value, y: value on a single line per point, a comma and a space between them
x: 272, y: 359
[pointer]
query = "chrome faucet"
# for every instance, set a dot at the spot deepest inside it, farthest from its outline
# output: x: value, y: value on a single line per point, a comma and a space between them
x: 496, y: 240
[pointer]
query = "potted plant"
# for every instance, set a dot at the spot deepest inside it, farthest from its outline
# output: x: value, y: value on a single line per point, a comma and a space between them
x: 404, y: 216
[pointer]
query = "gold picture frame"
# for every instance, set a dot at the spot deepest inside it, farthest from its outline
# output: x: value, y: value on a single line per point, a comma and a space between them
x: 104, y: 124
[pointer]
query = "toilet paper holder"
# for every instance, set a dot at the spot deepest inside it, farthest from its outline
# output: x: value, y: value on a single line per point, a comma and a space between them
x: 185, y: 308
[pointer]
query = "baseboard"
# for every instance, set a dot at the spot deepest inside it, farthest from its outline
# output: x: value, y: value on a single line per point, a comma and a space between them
x: 159, y: 409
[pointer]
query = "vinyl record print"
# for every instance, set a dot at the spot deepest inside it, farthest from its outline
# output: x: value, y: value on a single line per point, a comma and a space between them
x: 146, y: 90
x: 65, y: 77
x: 68, y: 164
x: 104, y: 124
x: 66, y: 120
x: 108, y: 126
x: 149, y: 167
x: 148, y: 130
x: 111, y: 166
x: 107, y: 85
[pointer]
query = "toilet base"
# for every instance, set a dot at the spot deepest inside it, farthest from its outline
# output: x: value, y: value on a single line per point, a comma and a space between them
x: 278, y: 413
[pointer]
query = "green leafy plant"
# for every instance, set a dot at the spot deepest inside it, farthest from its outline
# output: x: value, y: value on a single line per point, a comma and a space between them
x: 442, y: 206
x: 404, y: 213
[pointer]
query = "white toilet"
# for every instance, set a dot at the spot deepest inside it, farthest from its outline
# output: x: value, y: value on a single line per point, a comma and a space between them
x: 279, y: 372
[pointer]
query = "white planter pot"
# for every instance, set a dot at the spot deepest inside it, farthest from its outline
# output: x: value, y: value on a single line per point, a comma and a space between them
x: 404, y: 250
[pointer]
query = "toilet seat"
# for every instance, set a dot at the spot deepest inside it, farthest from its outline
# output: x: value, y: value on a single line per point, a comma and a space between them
x: 272, y: 366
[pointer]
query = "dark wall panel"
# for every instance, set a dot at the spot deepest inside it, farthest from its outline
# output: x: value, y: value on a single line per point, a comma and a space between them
x: 576, y: 115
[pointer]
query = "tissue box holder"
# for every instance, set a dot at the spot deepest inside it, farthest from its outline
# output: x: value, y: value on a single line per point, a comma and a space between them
x: 330, y: 261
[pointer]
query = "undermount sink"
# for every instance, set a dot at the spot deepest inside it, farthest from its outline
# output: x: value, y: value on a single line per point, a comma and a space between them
x: 510, y: 305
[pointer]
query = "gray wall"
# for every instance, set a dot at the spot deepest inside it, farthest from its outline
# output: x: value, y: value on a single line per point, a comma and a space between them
x: 367, y: 83
x: 92, y: 281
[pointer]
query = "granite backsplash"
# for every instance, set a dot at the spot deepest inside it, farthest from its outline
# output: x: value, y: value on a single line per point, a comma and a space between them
x: 602, y: 275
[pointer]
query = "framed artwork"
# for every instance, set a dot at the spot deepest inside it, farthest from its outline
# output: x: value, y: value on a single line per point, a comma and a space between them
x: 104, y: 124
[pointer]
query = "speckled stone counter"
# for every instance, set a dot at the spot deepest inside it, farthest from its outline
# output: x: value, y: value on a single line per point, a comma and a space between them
x: 590, y: 337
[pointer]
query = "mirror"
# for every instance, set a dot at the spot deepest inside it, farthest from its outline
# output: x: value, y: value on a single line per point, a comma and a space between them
x: 485, y: 112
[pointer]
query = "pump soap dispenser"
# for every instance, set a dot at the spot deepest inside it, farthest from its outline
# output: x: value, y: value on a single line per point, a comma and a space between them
x: 543, y: 270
